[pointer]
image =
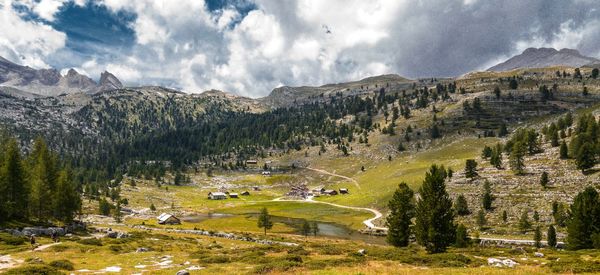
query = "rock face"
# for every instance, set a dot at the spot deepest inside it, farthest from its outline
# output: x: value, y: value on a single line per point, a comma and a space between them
x: 109, y: 82
x: 544, y: 57
x: 49, y: 82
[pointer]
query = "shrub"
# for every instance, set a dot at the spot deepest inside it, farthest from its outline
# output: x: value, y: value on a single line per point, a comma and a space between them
x: 34, y: 270
x: 279, y: 266
x: 574, y: 266
x: 92, y: 241
x: 58, y: 248
x: 12, y: 240
x: 62, y: 264
x: 216, y: 259
x: 115, y: 248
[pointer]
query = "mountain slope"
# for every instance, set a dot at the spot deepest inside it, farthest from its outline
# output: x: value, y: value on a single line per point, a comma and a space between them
x: 49, y: 82
x: 288, y: 96
x: 544, y: 57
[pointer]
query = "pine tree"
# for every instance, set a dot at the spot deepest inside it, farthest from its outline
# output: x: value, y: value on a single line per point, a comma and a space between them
x: 583, y: 220
x: 551, y: 237
x: 585, y: 157
x: 487, y: 199
x: 536, y: 216
x: 502, y: 130
x: 537, y: 237
x: 564, y: 151
x: 43, y: 180
x: 305, y: 228
x: 67, y: 200
x: 434, y: 227
x: 461, y: 206
x: 462, y: 238
x: 470, y: 168
x: 524, y: 223
x: 497, y: 92
x: 104, y: 207
x: 13, y: 184
x: 264, y: 220
x: 496, y: 157
x: 595, y: 73
x: 402, y: 209
x: 152, y: 207
x: 554, y: 139
x: 481, y: 220
x: 504, y: 216
x: 314, y: 228
x: 517, y: 155
x: 544, y: 179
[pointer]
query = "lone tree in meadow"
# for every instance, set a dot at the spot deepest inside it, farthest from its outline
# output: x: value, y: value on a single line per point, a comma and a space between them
x: 461, y: 206
x: 513, y: 84
x: 496, y: 156
x: 314, y: 228
x: 434, y: 227
x: 305, y: 228
x: 551, y: 237
x: 402, y: 210
x: 470, y: 168
x: 264, y: 220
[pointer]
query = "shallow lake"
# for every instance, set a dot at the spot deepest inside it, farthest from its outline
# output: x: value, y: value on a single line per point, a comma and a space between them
x: 326, y: 229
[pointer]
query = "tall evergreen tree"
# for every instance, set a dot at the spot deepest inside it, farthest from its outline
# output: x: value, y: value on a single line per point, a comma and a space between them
x: 67, y: 200
x: 43, y: 180
x: 487, y: 199
x: 462, y: 238
x: 402, y: 210
x: 461, y: 206
x: 264, y: 220
x: 524, y: 223
x: 470, y: 168
x: 544, y: 179
x: 434, y: 227
x: 537, y: 237
x: 564, y: 151
x: 551, y: 237
x: 517, y: 158
x: 585, y: 158
x: 14, y: 187
x: 584, y: 219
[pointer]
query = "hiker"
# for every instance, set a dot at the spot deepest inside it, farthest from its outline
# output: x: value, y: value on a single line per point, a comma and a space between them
x: 32, y: 241
x: 54, y: 236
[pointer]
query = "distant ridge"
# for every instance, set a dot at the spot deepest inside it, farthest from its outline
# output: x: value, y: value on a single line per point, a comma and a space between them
x: 49, y: 82
x: 544, y: 57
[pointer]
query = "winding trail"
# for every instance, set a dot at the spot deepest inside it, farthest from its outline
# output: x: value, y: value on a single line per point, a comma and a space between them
x: 367, y: 222
x: 335, y: 175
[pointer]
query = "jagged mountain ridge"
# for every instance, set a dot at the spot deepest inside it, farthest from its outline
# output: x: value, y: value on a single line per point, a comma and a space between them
x: 49, y: 82
x: 544, y: 57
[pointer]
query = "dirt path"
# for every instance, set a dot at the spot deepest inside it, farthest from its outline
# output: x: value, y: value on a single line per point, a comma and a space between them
x: 43, y: 247
x: 368, y: 222
x: 335, y: 175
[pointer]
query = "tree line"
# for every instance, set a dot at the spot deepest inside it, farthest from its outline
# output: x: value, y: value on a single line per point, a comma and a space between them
x: 36, y: 186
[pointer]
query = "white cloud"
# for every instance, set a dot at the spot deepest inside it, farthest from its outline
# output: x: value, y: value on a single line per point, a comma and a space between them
x: 47, y: 8
x: 27, y: 42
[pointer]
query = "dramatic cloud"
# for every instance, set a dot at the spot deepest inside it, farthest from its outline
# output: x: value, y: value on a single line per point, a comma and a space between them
x: 249, y: 48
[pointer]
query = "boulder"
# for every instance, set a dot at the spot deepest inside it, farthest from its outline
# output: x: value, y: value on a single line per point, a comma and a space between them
x: 538, y: 254
x: 182, y: 272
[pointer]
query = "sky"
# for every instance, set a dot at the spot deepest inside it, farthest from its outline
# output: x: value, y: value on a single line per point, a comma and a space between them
x: 249, y: 47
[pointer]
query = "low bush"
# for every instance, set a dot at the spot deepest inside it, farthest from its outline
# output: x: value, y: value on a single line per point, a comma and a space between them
x: 12, y: 240
x: 574, y: 266
x: 215, y: 259
x: 36, y: 269
x: 276, y: 266
x: 62, y: 264
x: 92, y: 241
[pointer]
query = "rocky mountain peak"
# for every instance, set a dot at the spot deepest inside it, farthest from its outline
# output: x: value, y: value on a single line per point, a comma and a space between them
x: 544, y: 57
x: 109, y: 81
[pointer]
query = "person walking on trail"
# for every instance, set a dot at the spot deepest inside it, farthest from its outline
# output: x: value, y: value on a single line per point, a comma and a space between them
x: 32, y: 241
